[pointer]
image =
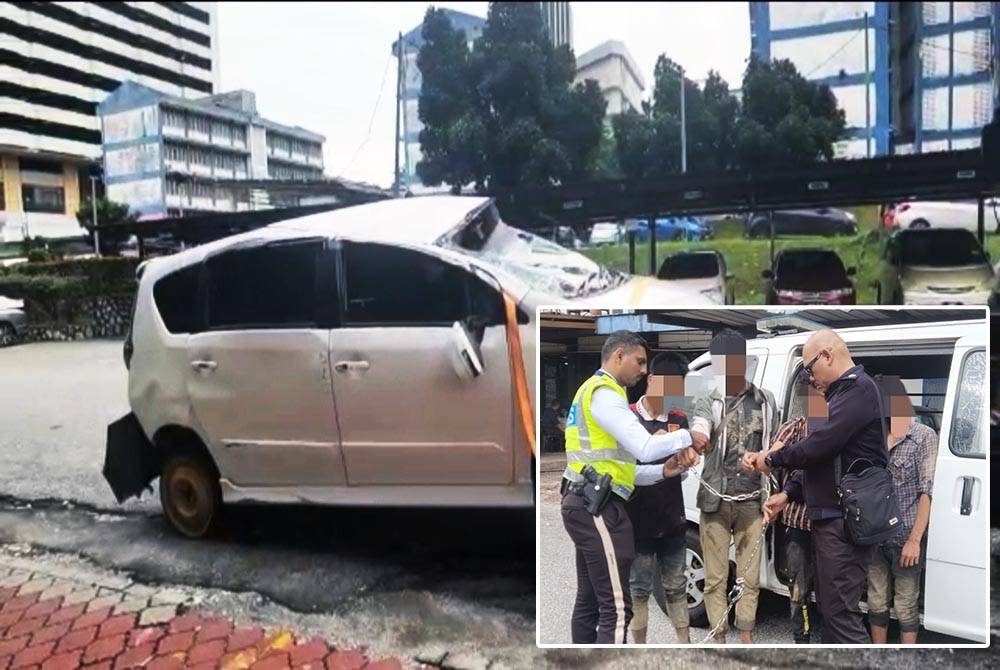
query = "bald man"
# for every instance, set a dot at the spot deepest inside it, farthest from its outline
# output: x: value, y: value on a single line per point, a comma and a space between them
x: 853, y: 431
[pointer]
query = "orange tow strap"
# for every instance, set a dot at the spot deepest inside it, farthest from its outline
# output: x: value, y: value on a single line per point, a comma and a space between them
x: 518, y: 375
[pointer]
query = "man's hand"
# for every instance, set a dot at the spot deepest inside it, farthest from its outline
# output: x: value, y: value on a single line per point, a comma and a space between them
x: 757, y: 458
x: 688, y: 458
x: 672, y: 467
x: 774, y: 505
x: 661, y: 431
x: 910, y: 555
x: 749, y: 461
x: 700, y: 442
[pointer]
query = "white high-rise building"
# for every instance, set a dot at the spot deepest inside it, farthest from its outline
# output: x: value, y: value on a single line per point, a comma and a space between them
x: 58, y: 61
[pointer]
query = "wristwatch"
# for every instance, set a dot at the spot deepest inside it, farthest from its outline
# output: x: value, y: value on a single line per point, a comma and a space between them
x: 768, y: 461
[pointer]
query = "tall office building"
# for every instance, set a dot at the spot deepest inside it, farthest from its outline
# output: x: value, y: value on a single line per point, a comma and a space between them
x: 611, y: 65
x: 558, y: 22
x: 58, y: 61
x: 926, y: 67
x: 409, y: 96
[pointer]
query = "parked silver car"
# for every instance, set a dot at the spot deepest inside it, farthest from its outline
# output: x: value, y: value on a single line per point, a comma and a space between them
x: 365, y: 356
x: 13, y: 321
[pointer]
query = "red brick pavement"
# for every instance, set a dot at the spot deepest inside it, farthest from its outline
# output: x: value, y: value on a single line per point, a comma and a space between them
x: 54, y: 627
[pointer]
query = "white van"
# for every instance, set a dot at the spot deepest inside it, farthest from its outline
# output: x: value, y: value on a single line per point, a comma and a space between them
x: 944, y: 366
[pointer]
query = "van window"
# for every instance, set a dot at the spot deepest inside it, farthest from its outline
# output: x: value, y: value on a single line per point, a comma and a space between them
x: 392, y: 286
x: 966, y: 438
x: 176, y: 298
x: 273, y: 286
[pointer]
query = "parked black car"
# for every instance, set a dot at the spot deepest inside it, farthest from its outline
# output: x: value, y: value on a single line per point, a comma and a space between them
x: 808, y: 277
x: 820, y: 221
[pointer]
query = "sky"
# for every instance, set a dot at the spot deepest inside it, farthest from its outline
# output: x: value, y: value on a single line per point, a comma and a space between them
x: 327, y: 67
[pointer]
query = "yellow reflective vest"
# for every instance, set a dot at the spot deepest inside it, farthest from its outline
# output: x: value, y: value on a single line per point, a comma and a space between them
x: 589, y: 444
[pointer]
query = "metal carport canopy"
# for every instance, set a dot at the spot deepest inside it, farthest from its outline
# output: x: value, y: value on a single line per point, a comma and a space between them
x: 745, y: 320
x: 936, y: 176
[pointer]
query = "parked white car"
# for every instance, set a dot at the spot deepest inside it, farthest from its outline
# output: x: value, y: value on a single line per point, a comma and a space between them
x: 943, y: 214
x: 932, y: 358
x: 605, y: 233
x: 13, y: 321
x: 702, y: 271
x: 356, y: 357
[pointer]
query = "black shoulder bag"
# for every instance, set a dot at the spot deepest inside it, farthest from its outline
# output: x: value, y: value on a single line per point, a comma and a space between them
x: 871, y: 512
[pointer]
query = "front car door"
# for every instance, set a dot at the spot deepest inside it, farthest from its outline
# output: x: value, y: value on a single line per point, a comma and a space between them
x: 956, y: 592
x: 259, y: 376
x: 409, y: 415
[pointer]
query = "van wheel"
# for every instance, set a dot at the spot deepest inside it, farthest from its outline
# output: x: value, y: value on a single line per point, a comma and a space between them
x: 190, y: 495
x: 920, y: 224
x: 695, y: 568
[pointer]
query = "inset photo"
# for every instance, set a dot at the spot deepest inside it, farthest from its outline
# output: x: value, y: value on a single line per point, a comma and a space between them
x: 770, y: 476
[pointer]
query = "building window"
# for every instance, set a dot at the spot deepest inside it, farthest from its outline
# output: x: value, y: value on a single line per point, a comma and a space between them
x: 43, y: 199
x: 36, y: 165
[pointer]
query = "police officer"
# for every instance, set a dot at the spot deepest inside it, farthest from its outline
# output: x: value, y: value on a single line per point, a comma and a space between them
x: 604, y: 439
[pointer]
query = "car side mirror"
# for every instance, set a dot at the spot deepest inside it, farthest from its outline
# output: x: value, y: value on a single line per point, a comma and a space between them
x: 852, y: 271
x: 469, y: 356
x: 766, y: 274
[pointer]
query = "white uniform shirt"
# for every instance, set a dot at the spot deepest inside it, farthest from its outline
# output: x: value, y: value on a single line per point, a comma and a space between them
x: 612, y: 413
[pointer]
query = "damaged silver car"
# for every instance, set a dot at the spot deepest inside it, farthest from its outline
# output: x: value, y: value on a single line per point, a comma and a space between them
x: 373, y: 355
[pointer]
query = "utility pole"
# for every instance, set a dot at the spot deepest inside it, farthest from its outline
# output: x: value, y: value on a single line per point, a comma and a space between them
x: 868, y: 109
x: 93, y: 214
x: 684, y: 149
x: 399, y: 89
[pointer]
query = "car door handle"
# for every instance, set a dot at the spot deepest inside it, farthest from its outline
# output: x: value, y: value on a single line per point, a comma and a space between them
x: 344, y: 366
x: 204, y: 366
x: 968, y: 483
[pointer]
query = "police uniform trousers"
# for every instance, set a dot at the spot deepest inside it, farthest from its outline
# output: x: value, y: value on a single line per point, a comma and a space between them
x: 605, y: 549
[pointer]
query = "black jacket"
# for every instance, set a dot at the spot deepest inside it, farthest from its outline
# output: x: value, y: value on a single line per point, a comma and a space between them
x: 852, y: 432
x: 658, y: 510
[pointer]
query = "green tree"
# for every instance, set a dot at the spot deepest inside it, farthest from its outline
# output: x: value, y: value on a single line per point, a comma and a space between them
x: 453, y: 140
x: 785, y: 119
x: 505, y: 114
x: 108, y: 213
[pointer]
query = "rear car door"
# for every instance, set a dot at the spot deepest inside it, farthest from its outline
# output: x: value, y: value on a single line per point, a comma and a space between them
x: 259, y: 375
x: 407, y: 414
x: 956, y: 595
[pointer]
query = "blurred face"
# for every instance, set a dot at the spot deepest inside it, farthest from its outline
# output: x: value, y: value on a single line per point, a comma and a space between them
x: 730, y: 372
x: 630, y: 364
x: 817, y: 410
x: 900, y: 415
x: 663, y: 390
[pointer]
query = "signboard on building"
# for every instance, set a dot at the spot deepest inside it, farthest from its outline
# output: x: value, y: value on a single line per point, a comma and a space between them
x: 132, y: 160
x: 131, y: 125
x: 142, y: 196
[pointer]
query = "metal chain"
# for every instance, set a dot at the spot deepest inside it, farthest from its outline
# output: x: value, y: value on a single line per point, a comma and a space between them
x: 736, y: 592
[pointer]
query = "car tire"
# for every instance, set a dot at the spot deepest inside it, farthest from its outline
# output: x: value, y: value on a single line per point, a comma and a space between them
x: 190, y: 494
x: 759, y: 228
x: 8, y: 335
x: 920, y: 224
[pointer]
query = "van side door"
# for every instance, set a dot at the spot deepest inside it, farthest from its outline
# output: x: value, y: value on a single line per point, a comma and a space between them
x: 956, y: 596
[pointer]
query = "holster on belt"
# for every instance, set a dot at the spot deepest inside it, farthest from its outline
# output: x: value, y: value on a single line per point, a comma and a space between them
x: 595, y: 489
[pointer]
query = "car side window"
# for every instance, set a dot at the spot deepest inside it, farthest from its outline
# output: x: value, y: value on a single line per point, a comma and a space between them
x: 966, y: 438
x: 177, y: 300
x: 393, y: 286
x: 272, y: 286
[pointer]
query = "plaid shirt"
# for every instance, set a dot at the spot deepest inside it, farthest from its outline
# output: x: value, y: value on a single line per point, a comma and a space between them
x: 912, y: 461
x: 790, y: 432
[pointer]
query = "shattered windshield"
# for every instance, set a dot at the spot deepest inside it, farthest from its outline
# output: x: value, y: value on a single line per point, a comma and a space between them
x: 545, y: 266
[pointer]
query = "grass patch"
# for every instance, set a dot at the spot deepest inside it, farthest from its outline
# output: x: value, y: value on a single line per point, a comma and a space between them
x: 746, y: 258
